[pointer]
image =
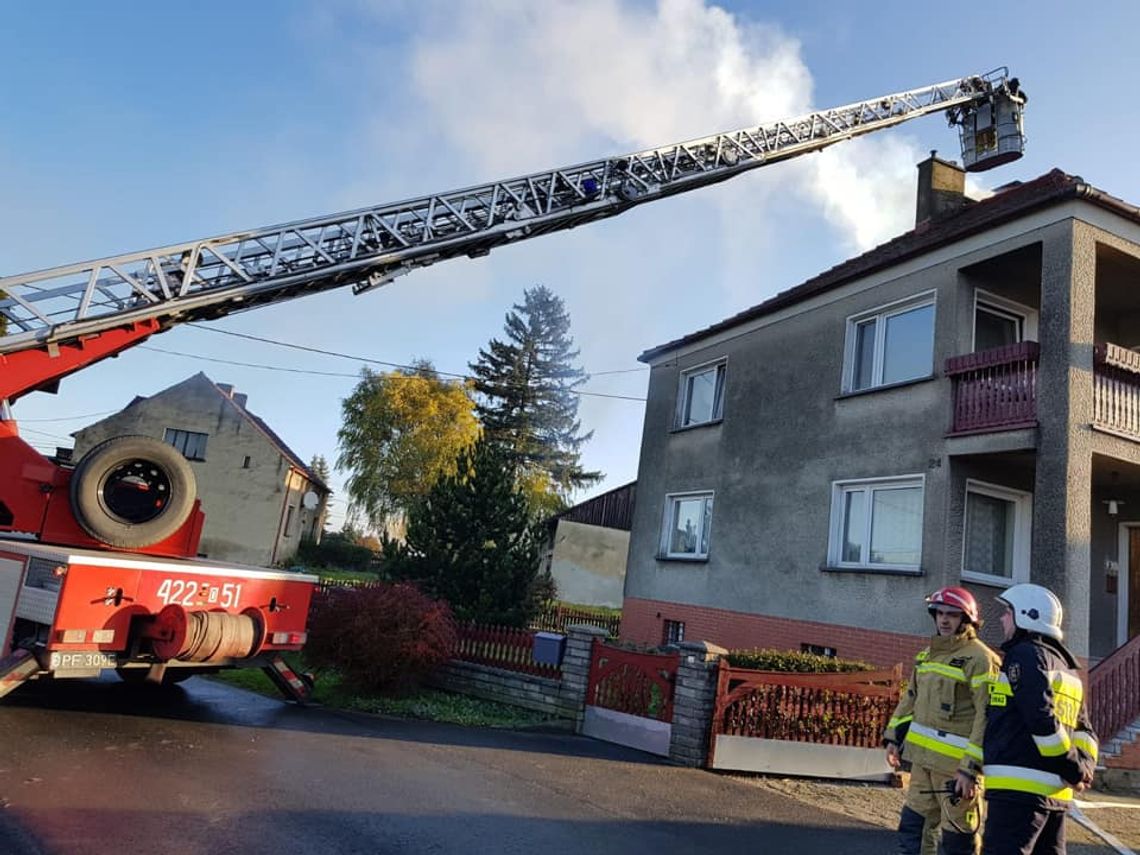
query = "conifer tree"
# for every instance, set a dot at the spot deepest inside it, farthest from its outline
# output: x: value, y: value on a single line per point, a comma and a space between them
x: 526, y: 386
x: 471, y: 542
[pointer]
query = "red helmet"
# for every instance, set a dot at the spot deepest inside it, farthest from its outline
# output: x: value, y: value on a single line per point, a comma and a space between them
x: 955, y: 598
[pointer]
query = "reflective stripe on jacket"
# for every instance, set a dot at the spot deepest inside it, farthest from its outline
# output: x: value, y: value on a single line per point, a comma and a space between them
x: 940, y: 719
x: 1038, y: 741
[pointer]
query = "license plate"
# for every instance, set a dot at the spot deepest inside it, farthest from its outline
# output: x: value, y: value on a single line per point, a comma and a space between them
x: 81, y: 659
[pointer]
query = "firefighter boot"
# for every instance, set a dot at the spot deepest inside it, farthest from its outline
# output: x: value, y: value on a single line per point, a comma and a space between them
x: 911, y: 824
x: 957, y: 843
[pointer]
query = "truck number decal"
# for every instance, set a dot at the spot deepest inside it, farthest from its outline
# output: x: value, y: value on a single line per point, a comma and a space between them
x: 189, y: 594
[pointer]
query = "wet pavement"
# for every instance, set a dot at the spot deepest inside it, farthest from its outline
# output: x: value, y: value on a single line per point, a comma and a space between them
x: 102, y: 767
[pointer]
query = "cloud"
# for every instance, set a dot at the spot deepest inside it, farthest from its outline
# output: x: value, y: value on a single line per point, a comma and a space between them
x: 500, y: 87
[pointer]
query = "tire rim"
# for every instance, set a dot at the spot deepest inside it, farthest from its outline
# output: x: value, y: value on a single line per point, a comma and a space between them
x: 136, y: 491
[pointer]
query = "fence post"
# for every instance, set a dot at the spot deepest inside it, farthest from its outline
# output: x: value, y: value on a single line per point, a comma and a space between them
x: 576, y: 669
x: 694, y: 697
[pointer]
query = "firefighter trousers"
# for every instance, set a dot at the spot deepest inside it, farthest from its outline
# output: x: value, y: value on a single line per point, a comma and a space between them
x: 929, y: 805
x: 1017, y: 828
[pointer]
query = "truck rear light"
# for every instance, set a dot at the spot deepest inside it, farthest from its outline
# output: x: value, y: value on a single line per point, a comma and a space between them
x: 79, y: 636
x: 290, y: 637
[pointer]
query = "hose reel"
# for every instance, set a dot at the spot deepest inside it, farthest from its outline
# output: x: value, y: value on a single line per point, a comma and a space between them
x: 205, y: 636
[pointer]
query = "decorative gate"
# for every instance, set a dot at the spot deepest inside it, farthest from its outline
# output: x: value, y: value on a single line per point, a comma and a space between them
x: 629, y: 697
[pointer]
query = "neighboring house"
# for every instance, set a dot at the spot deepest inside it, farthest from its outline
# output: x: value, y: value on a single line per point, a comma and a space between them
x: 960, y: 405
x: 259, y: 498
x: 588, y: 548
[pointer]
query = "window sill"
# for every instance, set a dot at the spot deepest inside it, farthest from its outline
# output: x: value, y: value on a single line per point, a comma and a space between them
x: 873, y: 571
x: 696, y: 426
x: 872, y: 389
x: 684, y: 559
x: 987, y: 580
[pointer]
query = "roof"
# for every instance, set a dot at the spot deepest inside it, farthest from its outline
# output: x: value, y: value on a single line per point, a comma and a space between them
x: 612, y: 509
x: 1009, y: 203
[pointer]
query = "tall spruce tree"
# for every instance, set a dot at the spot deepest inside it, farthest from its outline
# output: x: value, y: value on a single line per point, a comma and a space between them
x: 472, y: 542
x: 527, y: 403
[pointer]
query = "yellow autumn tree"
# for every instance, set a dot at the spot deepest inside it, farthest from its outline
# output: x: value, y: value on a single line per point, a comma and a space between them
x: 402, y: 430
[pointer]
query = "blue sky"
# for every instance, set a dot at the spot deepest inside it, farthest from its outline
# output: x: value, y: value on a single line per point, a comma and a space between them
x: 126, y: 125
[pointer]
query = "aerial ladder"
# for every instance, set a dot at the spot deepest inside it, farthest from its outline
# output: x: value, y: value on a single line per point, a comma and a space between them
x: 97, y: 559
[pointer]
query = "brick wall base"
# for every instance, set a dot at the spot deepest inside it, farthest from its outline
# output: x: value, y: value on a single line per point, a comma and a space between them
x: 642, y: 621
x: 541, y: 694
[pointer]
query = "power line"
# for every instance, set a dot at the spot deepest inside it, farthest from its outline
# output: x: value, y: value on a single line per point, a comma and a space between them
x: 348, y: 356
x: 69, y: 418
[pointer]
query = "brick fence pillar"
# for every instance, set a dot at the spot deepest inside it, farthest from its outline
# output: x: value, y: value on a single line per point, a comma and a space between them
x: 576, y: 668
x: 694, y: 697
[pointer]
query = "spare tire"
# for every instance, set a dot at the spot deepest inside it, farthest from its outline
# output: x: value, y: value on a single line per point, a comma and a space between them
x: 132, y: 491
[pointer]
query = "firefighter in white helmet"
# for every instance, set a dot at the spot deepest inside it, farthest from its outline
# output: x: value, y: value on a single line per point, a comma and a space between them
x: 938, y: 727
x: 1040, y: 748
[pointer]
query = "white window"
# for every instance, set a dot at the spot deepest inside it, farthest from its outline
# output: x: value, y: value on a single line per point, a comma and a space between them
x: 191, y: 444
x: 688, y: 518
x: 701, y: 396
x: 998, y: 322
x: 890, y: 345
x: 877, y: 525
x: 998, y: 528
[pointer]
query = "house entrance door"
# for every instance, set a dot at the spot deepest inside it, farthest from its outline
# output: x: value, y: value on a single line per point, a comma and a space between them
x: 1133, y: 582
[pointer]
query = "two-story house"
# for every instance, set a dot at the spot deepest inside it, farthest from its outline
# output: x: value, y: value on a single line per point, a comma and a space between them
x: 259, y: 498
x: 960, y: 405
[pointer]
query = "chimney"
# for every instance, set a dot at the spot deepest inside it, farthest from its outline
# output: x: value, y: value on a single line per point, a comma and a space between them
x: 240, y: 398
x: 227, y: 389
x: 941, y: 189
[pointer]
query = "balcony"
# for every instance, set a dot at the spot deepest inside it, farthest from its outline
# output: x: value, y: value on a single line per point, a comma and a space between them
x: 1116, y: 390
x: 996, y: 390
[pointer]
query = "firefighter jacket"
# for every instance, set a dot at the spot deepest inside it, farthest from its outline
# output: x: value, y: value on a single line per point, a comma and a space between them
x: 941, y: 718
x: 1038, y: 740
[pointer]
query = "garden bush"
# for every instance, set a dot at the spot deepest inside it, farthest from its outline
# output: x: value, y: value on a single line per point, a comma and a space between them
x: 385, y: 638
x: 338, y: 551
x: 793, y: 660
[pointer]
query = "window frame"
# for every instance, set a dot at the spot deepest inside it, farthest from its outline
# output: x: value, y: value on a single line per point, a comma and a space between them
x: 1022, y: 533
x: 880, y: 314
x: 839, y: 489
x: 671, y: 499
x: 678, y: 626
x: 720, y: 365
x: 1002, y: 306
x: 186, y: 435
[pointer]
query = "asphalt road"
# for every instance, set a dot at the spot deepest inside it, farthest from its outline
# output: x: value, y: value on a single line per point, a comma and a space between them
x: 103, y: 767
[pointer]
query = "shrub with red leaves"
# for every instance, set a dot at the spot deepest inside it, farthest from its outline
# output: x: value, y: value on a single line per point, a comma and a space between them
x: 381, y: 638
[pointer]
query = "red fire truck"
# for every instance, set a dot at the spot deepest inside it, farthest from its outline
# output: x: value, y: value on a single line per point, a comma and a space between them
x: 98, y: 566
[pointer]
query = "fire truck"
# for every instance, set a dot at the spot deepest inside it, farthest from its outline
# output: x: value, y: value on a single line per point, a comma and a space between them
x: 98, y: 566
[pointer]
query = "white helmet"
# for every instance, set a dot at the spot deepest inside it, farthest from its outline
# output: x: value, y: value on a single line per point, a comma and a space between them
x: 1035, y: 609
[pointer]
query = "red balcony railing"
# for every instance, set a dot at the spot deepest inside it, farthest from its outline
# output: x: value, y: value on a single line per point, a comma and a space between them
x: 994, y: 389
x: 1114, y: 690
x: 1116, y: 389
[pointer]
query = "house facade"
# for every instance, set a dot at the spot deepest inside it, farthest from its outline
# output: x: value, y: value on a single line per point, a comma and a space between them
x: 587, y: 548
x: 959, y: 406
x: 259, y: 498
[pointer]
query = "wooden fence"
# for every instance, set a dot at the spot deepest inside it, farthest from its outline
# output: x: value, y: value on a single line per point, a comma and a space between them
x: 502, y: 647
x: 555, y: 618
x: 850, y: 708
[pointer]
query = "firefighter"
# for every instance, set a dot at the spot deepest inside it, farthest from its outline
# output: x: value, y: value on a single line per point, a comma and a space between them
x: 938, y: 727
x: 1039, y: 746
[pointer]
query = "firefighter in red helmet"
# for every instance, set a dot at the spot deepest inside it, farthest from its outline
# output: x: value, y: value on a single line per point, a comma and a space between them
x: 938, y: 727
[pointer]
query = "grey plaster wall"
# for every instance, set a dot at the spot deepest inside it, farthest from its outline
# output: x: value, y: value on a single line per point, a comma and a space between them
x: 245, y: 507
x: 588, y: 563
